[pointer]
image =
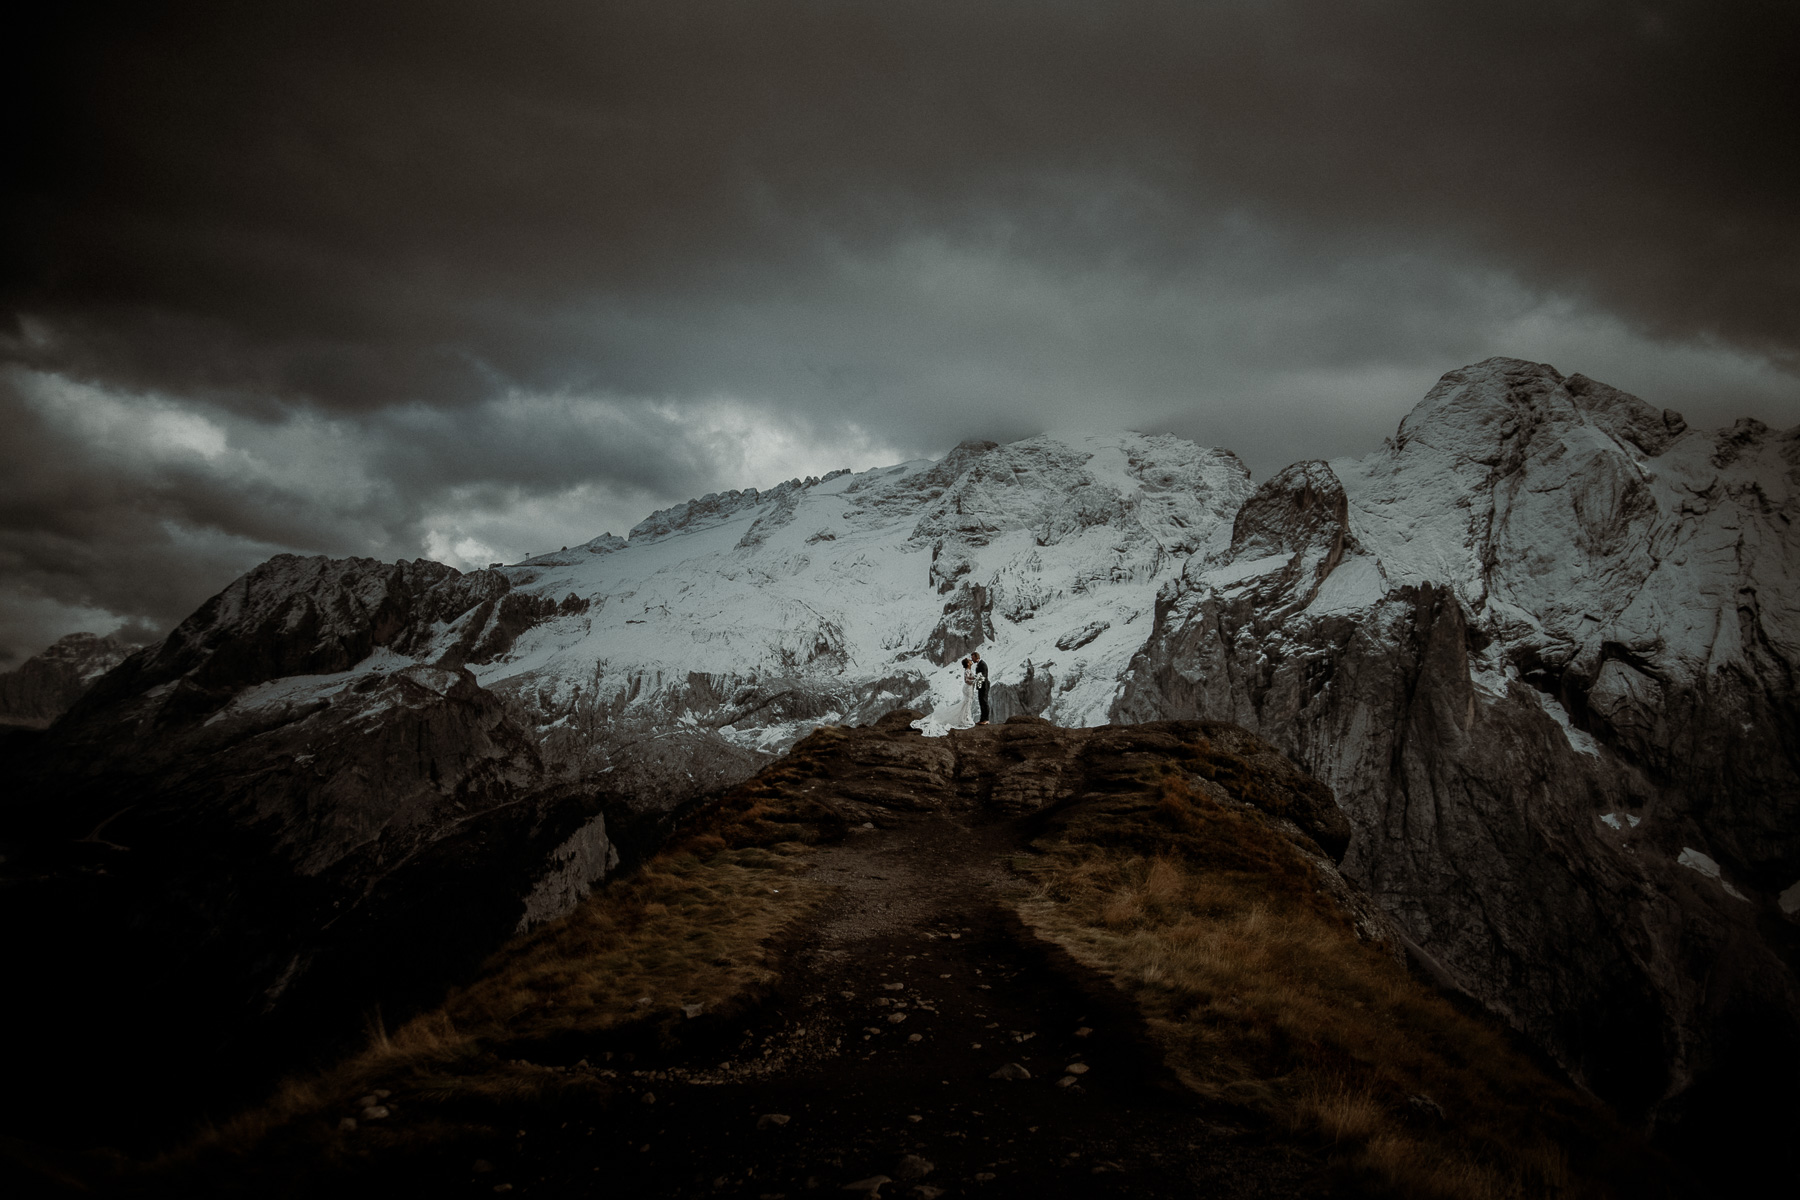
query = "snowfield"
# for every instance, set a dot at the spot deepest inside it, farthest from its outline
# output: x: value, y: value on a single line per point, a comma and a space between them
x: 762, y: 615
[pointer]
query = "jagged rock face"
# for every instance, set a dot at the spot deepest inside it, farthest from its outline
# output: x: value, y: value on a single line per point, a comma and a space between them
x: 1026, y: 766
x: 1542, y: 646
x: 297, y: 616
x: 44, y: 686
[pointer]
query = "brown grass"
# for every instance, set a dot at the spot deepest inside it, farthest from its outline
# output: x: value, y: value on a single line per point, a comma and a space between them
x: 1263, y: 996
x: 694, y: 927
x: 1218, y: 926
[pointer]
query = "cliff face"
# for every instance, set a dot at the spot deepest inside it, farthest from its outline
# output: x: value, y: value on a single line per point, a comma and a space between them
x: 1542, y: 646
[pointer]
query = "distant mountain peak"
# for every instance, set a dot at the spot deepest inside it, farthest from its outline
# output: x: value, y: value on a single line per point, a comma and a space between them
x: 44, y: 686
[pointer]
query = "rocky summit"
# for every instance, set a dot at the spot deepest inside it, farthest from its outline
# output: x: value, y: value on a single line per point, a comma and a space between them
x: 1541, y: 647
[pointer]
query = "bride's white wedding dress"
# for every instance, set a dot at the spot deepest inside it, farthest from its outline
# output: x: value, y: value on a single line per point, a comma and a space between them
x: 959, y: 714
x: 964, y: 716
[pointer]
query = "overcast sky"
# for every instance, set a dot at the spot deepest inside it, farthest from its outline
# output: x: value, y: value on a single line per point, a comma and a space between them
x: 470, y: 281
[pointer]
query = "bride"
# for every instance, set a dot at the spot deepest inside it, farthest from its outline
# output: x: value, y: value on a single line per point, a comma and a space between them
x: 964, y: 717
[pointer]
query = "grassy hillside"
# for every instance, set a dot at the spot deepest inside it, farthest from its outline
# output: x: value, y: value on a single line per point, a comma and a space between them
x: 1266, y: 994
x: 679, y: 945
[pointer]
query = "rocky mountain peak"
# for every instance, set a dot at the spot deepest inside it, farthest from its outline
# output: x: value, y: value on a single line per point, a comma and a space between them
x: 1488, y: 412
x: 295, y: 616
x: 45, y: 685
x: 1552, y: 627
x: 1626, y: 417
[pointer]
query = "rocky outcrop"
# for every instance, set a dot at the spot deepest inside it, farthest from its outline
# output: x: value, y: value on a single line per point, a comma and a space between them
x: 44, y: 686
x: 965, y: 626
x: 1542, y: 646
x: 1026, y: 767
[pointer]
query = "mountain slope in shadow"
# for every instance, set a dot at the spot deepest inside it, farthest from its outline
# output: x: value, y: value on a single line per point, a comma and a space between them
x: 1019, y: 960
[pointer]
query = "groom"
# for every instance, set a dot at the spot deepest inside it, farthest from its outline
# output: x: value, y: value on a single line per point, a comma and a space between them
x: 981, y: 686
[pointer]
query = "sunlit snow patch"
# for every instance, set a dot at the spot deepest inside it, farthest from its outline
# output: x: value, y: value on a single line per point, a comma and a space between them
x: 1617, y: 820
x: 1696, y: 861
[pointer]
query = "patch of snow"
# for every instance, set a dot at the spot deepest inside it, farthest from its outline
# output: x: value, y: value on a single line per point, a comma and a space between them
x: 1238, y: 572
x: 382, y: 658
x: 1579, y: 740
x: 1491, y: 678
x: 1354, y: 585
x: 1612, y: 819
x: 1696, y: 861
x: 290, y: 689
x: 833, y: 484
x: 1109, y: 462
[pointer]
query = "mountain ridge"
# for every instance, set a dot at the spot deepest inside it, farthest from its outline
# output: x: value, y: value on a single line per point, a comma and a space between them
x: 1494, y: 703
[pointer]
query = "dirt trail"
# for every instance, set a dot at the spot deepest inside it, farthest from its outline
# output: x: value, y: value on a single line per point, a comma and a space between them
x: 899, y: 1003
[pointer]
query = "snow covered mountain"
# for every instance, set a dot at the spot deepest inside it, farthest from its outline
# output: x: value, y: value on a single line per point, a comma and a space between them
x: 760, y: 615
x: 1542, y: 644
x: 722, y: 630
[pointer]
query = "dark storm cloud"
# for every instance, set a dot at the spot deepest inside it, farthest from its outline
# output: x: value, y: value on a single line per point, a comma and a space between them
x: 93, y: 522
x: 363, y: 204
x: 502, y: 252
